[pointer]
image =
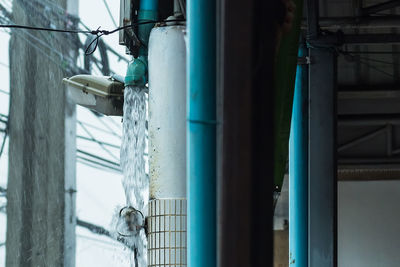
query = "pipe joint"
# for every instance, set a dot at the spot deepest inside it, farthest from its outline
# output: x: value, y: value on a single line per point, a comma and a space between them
x: 137, y: 72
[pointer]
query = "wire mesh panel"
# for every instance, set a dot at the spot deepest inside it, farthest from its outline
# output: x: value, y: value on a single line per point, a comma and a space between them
x: 167, y: 232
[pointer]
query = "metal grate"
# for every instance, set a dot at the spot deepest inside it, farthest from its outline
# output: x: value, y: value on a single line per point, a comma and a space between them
x: 167, y: 232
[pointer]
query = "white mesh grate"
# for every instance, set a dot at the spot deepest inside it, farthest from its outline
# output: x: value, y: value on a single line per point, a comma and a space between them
x: 167, y: 232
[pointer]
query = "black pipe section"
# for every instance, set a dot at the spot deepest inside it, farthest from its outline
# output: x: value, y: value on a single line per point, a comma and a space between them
x: 312, y: 19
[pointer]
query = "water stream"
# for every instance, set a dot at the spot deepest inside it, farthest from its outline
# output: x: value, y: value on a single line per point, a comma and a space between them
x: 135, y: 180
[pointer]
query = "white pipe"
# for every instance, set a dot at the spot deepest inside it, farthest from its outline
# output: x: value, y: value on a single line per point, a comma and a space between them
x: 167, y: 147
x: 167, y: 113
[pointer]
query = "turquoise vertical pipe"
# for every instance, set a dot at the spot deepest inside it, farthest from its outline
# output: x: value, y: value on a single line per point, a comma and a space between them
x: 201, y: 133
x: 137, y: 73
x: 298, y: 170
x: 149, y: 5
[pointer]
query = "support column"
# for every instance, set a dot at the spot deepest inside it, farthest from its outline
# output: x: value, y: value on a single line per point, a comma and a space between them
x: 322, y: 183
x: 322, y: 161
x: 41, y: 182
x: 245, y: 64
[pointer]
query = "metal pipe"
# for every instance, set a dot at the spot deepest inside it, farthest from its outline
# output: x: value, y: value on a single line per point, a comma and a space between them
x: 312, y: 19
x: 137, y: 73
x: 322, y: 183
x: 298, y: 171
x: 201, y: 133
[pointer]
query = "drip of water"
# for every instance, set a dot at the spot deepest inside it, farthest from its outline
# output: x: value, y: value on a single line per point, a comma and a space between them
x: 135, y: 181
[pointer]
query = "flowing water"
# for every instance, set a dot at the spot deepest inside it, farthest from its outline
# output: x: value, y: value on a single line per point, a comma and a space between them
x: 135, y: 180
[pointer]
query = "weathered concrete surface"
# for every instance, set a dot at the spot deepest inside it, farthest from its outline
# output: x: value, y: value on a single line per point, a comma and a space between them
x: 41, y: 199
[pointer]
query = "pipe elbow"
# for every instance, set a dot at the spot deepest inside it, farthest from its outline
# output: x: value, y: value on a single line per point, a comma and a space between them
x: 137, y: 72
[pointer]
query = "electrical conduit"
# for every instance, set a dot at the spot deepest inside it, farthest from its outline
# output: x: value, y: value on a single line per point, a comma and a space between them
x: 137, y: 73
x: 298, y: 170
x: 201, y: 133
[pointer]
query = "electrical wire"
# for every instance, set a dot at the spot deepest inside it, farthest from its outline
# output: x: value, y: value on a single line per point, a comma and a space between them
x: 4, y: 92
x: 3, y: 143
x: 4, y: 65
x: 26, y: 27
x: 112, y: 163
x: 105, y: 124
x: 99, y: 143
x: 376, y: 69
x: 62, y: 58
x: 99, y: 33
x: 109, y: 13
x: 377, y: 60
x: 97, y: 240
x: 97, y: 166
x: 96, y: 229
x: 98, y: 128
x: 104, y: 143
x: 364, y: 61
x: 113, y: 122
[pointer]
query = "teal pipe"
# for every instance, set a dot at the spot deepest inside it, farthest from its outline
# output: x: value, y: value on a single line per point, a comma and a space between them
x: 201, y: 133
x: 298, y: 170
x: 137, y: 73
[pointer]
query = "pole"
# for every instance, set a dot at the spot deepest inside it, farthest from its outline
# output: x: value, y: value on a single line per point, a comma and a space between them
x: 41, y: 182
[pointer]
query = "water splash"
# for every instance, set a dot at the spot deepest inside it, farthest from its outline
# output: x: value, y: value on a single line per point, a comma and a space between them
x: 135, y: 181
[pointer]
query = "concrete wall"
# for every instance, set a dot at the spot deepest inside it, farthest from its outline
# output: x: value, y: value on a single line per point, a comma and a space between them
x: 369, y: 224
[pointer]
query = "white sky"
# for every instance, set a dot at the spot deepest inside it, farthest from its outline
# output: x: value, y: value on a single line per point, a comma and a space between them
x: 98, y: 192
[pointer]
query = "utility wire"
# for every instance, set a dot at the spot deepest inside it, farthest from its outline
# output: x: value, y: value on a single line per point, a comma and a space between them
x: 61, y: 56
x: 26, y: 27
x: 96, y: 165
x: 99, y: 158
x: 376, y: 69
x: 4, y: 92
x: 109, y: 13
x: 4, y: 65
x: 377, y: 60
x: 96, y: 141
x: 364, y: 61
x: 98, y: 128
x: 99, y: 33
x: 96, y: 229
x: 99, y: 143
x: 107, y: 244
x: 3, y: 143
x: 105, y: 124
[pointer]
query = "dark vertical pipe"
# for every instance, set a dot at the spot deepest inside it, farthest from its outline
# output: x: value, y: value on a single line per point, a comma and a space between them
x: 312, y: 19
x: 322, y: 159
